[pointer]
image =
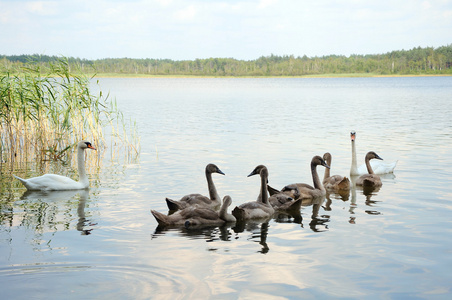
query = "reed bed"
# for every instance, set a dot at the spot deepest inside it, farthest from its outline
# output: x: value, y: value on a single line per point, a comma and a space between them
x: 45, y: 111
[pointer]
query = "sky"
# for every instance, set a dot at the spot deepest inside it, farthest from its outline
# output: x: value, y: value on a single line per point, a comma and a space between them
x: 240, y: 29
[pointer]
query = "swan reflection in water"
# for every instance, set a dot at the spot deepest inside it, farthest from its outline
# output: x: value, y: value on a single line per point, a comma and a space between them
x: 226, y: 232
x: 368, y: 192
x: 53, y: 200
x: 210, y: 233
x: 296, y: 216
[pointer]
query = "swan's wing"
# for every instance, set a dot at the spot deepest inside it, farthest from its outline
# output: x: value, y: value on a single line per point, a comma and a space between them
x: 251, y: 205
x: 378, y: 166
x: 298, y: 186
x: 336, y: 181
x: 196, y: 199
x: 279, y: 199
x: 254, y: 210
x: 50, y: 182
x: 332, y: 180
x: 284, y: 202
x: 199, y: 212
x: 272, y: 191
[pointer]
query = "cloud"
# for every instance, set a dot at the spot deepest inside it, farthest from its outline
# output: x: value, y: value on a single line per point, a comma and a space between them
x: 186, y: 14
x: 266, y: 3
x: 243, y: 29
x: 43, y: 8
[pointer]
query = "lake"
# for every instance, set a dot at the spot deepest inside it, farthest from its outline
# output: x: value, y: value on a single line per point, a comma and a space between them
x: 394, y: 243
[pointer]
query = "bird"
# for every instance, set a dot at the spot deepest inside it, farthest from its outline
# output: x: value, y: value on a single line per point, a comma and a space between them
x: 378, y: 167
x: 282, y: 202
x: 214, y: 201
x: 259, y: 209
x: 370, y: 179
x: 54, y: 182
x: 334, y: 182
x: 196, y: 215
x: 303, y: 190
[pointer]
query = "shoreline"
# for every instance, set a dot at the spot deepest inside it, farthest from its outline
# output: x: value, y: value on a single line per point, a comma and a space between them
x: 346, y: 75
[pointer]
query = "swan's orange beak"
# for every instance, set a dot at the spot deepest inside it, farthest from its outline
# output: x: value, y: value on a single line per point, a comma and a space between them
x: 91, y: 147
x: 352, y: 136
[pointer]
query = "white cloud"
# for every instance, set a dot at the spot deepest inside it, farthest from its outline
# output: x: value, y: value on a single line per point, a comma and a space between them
x: 186, y: 14
x: 266, y: 3
x: 244, y: 29
x: 43, y: 8
x: 426, y: 5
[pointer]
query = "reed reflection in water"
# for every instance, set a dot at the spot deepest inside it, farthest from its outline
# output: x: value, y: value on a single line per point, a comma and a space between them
x: 386, y: 243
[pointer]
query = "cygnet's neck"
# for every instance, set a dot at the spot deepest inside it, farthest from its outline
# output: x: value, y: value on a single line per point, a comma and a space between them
x: 263, y: 196
x: 223, y: 214
x: 315, y: 177
x: 369, y: 167
x: 213, y: 194
x: 327, y: 170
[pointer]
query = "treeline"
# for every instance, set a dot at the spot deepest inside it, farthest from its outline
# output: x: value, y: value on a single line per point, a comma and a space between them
x: 418, y: 60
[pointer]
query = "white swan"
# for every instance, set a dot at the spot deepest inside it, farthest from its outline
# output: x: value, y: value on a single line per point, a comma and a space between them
x: 378, y: 166
x: 53, y: 182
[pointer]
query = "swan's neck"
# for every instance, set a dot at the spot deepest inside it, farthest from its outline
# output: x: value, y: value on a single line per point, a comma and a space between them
x: 263, y: 196
x: 223, y: 211
x: 354, y: 168
x: 83, y: 179
x: 223, y: 214
x: 327, y: 171
x: 369, y: 167
x: 315, y: 178
x: 213, y: 194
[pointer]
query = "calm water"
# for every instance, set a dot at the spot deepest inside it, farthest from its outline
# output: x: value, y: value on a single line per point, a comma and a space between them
x: 395, y: 243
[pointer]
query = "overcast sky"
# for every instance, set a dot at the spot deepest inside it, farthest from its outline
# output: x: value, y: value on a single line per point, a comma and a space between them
x: 240, y: 29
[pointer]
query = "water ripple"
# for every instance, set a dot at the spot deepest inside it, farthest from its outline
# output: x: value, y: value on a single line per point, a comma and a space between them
x: 137, y: 281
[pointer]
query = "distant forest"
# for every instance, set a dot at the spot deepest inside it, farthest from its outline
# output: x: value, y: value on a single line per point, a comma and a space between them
x: 402, y: 62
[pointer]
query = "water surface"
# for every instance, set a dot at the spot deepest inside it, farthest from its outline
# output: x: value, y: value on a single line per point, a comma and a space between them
x: 394, y: 243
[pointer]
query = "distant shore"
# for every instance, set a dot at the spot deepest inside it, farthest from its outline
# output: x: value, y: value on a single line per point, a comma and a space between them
x: 351, y: 75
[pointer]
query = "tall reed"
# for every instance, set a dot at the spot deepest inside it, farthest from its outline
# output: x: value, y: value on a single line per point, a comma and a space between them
x: 44, y: 112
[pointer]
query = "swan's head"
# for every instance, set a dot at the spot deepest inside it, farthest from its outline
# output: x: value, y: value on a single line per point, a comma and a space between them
x: 295, y: 193
x: 327, y: 157
x: 258, y: 170
x: 227, y: 200
x: 283, y: 198
x: 372, y: 155
x: 353, y: 136
x: 212, y: 168
x: 86, y: 145
x: 317, y: 160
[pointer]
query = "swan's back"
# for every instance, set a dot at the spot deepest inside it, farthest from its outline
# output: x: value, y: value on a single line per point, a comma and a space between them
x: 51, y: 182
x: 379, y: 167
x: 191, y: 200
x: 189, y: 216
x: 283, y: 202
x: 253, y: 210
x: 336, y: 182
x: 369, y: 180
